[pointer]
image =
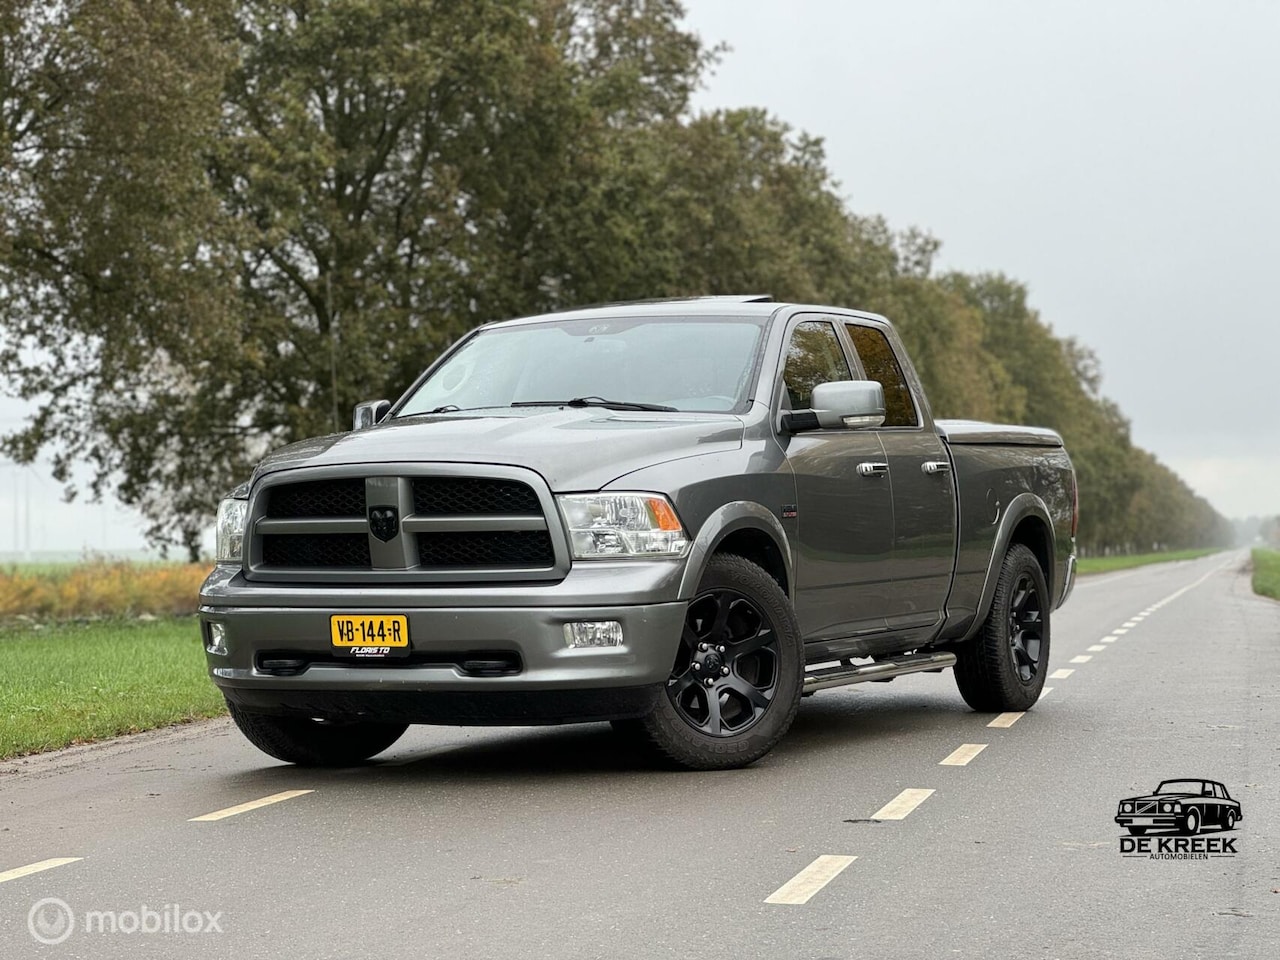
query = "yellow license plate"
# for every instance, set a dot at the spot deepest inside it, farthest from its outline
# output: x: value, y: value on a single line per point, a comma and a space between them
x: 369, y: 635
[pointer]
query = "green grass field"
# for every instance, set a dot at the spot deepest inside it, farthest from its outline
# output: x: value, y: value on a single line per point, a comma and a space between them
x: 1266, y: 573
x: 1124, y: 562
x: 74, y: 682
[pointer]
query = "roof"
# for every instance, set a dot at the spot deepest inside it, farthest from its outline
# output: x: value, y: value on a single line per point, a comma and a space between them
x: 744, y: 305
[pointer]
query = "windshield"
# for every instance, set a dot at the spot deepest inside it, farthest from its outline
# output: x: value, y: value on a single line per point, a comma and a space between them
x: 703, y: 365
x: 1180, y: 786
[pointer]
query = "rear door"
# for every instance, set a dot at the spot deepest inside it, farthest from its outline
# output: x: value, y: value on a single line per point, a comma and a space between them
x: 844, y: 516
x: 924, y: 495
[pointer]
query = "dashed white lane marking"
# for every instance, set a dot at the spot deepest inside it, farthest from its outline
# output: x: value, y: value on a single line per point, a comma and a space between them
x: 31, y: 868
x: 802, y: 887
x: 961, y: 755
x: 1006, y: 719
x: 1061, y: 674
x: 1108, y: 639
x: 1130, y: 624
x: 1097, y: 648
x: 900, y: 806
x: 1083, y: 658
x: 1044, y: 693
x: 251, y: 805
x: 1120, y: 631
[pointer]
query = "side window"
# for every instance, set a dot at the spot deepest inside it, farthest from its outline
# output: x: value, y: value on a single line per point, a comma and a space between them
x: 814, y: 356
x: 881, y: 365
x: 1218, y: 791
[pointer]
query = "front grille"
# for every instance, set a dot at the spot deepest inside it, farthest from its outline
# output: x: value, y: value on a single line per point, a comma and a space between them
x: 316, y: 550
x: 452, y: 528
x: 473, y: 496
x: 1147, y: 807
x: 499, y: 548
x: 317, y: 498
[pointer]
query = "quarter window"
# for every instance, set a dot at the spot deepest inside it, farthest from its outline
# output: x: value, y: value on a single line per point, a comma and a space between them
x: 814, y: 356
x: 881, y: 365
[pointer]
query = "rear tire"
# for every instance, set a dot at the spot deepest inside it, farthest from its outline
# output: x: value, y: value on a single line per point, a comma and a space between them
x: 741, y: 633
x: 1229, y: 820
x: 1003, y: 667
x: 315, y: 743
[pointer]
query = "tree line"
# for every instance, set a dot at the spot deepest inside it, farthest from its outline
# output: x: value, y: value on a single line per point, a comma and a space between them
x: 226, y: 221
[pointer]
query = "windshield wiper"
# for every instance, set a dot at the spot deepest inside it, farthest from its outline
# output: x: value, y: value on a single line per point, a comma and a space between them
x: 596, y: 402
x: 447, y: 408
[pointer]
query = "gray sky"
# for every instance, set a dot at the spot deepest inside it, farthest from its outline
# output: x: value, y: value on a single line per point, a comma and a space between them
x: 1121, y: 158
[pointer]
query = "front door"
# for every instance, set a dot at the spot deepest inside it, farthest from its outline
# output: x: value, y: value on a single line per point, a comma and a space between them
x: 845, y: 514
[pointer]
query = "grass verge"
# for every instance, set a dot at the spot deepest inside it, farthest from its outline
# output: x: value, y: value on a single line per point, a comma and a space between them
x: 75, y: 682
x: 1125, y: 561
x: 1266, y: 573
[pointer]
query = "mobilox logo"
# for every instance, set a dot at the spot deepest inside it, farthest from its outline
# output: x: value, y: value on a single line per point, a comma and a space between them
x: 1173, y: 821
x: 51, y: 921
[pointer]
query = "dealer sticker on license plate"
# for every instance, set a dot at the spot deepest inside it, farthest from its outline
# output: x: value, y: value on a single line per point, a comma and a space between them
x: 370, y: 636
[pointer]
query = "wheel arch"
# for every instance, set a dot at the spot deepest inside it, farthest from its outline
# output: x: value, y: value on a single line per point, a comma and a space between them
x: 1026, y: 521
x: 748, y: 530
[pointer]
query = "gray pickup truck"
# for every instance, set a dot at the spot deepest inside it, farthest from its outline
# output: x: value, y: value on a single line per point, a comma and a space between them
x: 678, y: 516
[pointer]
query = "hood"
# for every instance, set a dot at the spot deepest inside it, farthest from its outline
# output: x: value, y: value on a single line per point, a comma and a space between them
x: 573, y: 449
x: 1162, y: 796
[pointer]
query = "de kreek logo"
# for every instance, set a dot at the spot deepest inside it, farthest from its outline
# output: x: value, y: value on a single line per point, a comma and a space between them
x: 1170, y: 822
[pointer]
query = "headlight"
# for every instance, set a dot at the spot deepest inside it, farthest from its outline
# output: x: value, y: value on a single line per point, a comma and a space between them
x: 1168, y: 807
x: 231, y: 516
x: 1126, y: 808
x: 604, y: 525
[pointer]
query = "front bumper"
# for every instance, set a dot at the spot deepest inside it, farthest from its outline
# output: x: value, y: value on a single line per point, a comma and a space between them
x: 549, y: 681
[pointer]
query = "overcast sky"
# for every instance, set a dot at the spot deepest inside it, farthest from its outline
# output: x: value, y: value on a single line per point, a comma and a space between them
x: 1121, y: 158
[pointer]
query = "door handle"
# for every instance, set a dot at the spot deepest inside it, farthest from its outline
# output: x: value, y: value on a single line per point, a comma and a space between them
x: 935, y: 466
x: 873, y: 469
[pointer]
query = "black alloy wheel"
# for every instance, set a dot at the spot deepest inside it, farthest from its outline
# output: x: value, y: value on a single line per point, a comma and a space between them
x: 726, y: 671
x: 1025, y: 622
x: 735, y: 682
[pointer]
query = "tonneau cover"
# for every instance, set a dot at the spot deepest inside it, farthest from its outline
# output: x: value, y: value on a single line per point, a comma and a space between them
x: 977, y: 433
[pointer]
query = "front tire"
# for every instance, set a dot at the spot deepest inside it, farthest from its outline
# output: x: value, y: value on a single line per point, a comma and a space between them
x: 315, y: 743
x: 1191, y: 823
x: 741, y: 634
x: 1138, y: 831
x: 1003, y: 667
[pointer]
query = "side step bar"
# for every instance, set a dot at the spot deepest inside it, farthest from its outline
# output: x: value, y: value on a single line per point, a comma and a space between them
x: 880, y: 670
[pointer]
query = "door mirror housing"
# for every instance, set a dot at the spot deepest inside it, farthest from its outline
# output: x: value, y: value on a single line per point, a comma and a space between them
x: 368, y: 413
x: 840, y: 405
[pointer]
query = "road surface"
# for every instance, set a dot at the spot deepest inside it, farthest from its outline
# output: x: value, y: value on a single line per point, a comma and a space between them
x: 852, y: 839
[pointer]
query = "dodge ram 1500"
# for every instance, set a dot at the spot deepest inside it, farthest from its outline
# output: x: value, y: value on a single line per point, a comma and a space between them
x: 678, y: 516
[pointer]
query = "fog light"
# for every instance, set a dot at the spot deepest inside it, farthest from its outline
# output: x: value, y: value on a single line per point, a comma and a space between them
x: 215, y: 641
x: 593, y: 633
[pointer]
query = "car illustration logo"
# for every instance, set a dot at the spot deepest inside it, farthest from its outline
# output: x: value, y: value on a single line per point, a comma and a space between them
x: 384, y: 522
x: 1185, y: 807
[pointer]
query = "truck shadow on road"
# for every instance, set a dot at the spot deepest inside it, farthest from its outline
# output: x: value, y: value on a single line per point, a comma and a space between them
x: 827, y: 729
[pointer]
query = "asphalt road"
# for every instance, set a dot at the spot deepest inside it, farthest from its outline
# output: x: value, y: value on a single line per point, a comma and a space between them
x: 557, y: 843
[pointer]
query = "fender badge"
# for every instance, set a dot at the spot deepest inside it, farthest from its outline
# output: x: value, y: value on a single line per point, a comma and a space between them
x: 789, y: 511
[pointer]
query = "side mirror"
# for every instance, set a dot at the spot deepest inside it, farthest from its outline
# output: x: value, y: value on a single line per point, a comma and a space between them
x: 840, y: 405
x: 368, y: 413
